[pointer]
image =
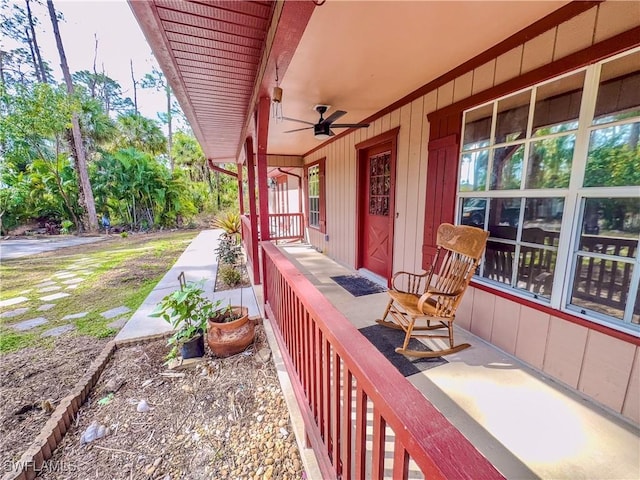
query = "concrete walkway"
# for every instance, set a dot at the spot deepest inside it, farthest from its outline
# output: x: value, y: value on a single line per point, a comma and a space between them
x: 197, y: 262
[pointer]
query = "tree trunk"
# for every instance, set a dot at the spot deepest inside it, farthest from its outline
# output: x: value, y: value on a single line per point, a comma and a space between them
x: 170, y: 142
x: 36, y: 48
x: 33, y: 54
x: 135, y: 85
x: 2, y: 54
x: 85, y: 194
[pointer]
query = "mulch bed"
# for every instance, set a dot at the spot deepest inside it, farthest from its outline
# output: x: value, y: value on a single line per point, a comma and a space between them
x: 225, y: 418
x: 34, y: 380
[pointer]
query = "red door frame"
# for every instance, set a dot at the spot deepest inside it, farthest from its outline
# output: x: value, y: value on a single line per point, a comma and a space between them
x: 361, y: 177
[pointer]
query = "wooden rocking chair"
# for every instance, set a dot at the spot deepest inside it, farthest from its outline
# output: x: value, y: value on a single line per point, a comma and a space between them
x: 435, y: 297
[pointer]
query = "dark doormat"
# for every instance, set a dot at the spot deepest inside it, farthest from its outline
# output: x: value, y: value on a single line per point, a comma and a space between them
x: 358, y: 286
x: 386, y: 340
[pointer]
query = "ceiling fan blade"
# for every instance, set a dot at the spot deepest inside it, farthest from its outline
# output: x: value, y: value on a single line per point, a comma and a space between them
x: 298, y: 130
x: 296, y: 120
x: 334, y: 116
x: 331, y: 134
x: 350, y: 125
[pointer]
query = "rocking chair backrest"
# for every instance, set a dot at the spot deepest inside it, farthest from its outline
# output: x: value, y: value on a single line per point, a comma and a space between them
x: 460, y: 249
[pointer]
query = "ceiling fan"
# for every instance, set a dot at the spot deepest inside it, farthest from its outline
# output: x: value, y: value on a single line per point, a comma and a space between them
x: 322, y: 129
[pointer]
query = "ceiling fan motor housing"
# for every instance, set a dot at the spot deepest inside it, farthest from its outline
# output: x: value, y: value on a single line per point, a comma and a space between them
x: 322, y: 130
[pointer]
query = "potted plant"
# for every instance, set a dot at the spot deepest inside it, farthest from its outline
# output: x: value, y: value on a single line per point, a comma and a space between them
x: 187, y: 310
x: 230, y: 331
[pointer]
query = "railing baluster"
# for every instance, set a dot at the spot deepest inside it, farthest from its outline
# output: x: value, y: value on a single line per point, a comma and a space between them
x: 335, y: 424
x: 361, y: 432
x: 400, y: 461
x: 377, y: 464
x: 347, y: 406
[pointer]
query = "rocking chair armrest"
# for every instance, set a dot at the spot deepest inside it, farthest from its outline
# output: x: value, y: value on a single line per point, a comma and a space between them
x: 434, y: 293
x: 413, y: 279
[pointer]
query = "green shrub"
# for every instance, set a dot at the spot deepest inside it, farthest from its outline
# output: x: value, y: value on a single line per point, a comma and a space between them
x: 229, y: 275
x: 228, y: 250
x: 66, y: 226
x: 124, y: 234
x: 230, y: 223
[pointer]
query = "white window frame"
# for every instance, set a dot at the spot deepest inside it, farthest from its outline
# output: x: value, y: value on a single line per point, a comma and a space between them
x: 574, y: 197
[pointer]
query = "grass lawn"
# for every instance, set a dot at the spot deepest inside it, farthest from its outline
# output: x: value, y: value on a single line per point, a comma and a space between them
x: 119, y: 272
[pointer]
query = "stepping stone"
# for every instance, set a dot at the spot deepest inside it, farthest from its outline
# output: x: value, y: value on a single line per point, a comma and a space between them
x: 24, y: 292
x: 55, y: 296
x: 118, y: 324
x: 12, y: 301
x: 114, y: 312
x: 75, y: 267
x: 29, y: 324
x: 52, y: 288
x: 48, y: 283
x: 75, y: 315
x: 72, y: 287
x: 46, y: 306
x: 57, y: 331
x: 14, y: 313
x: 66, y: 275
x: 71, y: 281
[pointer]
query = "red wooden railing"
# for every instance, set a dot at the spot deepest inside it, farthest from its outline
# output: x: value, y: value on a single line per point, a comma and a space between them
x: 363, y: 419
x: 286, y: 226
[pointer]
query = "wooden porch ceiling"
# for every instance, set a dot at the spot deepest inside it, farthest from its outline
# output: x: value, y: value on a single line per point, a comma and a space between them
x: 221, y: 56
x: 211, y: 53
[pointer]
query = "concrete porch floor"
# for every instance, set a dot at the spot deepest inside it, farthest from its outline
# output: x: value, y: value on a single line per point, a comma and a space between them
x: 528, y: 425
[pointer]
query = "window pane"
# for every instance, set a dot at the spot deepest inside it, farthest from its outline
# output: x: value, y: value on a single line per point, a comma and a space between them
x: 498, y: 261
x: 506, y: 171
x: 601, y: 285
x: 558, y: 105
x: 550, y: 162
x: 614, y: 157
x: 473, y: 171
x: 513, y: 113
x: 541, y: 226
x: 473, y: 212
x: 542, y: 220
x: 504, y: 214
x: 611, y: 226
x: 477, y: 128
x: 619, y: 90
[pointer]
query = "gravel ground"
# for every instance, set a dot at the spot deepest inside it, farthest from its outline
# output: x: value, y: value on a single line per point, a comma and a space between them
x: 225, y: 418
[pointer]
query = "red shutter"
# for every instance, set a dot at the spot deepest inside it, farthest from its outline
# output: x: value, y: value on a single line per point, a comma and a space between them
x: 442, y: 177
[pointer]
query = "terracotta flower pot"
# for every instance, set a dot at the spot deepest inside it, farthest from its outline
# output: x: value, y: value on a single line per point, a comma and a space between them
x: 229, y: 338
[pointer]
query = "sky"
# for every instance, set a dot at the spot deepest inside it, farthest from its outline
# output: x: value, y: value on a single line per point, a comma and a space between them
x: 119, y: 41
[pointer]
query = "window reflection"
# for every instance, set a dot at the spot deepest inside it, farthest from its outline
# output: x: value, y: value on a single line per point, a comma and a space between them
x: 614, y: 156
x: 550, y: 162
x: 506, y: 171
x: 473, y: 171
x: 513, y: 113
x: 477, y: 128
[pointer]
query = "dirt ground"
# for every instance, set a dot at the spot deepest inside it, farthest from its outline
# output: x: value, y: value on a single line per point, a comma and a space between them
x: 34, y: 376
x: 224, y: 419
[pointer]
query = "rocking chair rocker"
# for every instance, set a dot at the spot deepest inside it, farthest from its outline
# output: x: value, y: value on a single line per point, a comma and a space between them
x: 435, y: 297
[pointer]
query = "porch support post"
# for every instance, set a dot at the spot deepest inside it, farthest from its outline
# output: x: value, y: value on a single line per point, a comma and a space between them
x: 240, y: 188
x: 253, y: 214
x: 263, y: 131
